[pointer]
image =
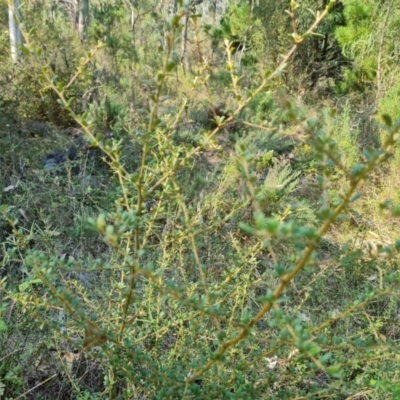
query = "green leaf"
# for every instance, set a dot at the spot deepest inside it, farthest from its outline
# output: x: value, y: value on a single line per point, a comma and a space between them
x: 23, y: 286
x: 280, y: 269
x: 387, y: 120
x: 358, y: 170
x: 175, y: 20
x: 396, y: 211
x: 247, y: 228
x: 312, y: 123
x: 3, y: 325
x: 318, y: 35
x: 269, y: 297
x: 325, y: 358
x: 355, y: 197
x: 313, y: 350
x: 24, y: 50
x: 272, y: 225
x: 335, y: 371
x: 101, y: 223
x: 260, y: 220
x: 311, y: 11
x: 170, y: 66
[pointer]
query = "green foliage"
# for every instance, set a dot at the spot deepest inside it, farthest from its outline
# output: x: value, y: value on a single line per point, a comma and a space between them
x: 278, y: 185
x: 358, y: 39
x: 108, y: 114
x: 108, y: 18
x: 366, y: 38
x: 246, y: 40
x: 221, y: 78
x: 199, y: 262
x: 263, y: 107
x: 346, y: 135
x: 358, y: 16
x: 389, y: 103
x: 259, y: 142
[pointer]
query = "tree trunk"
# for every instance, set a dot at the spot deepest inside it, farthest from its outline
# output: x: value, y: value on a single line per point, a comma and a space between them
x: 83, y: 19
x: 133, y: 25
x: 184, y: 56
x: 15, y: 33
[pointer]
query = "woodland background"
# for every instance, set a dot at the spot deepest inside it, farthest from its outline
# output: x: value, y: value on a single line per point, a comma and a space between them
x: 199, y: 199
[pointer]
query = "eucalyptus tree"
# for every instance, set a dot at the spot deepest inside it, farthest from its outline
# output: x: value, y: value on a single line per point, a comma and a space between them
x: 83, y: 18
x: 15, y: 33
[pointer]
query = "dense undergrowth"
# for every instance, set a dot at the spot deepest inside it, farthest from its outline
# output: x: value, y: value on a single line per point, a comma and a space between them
x: 200, y: 222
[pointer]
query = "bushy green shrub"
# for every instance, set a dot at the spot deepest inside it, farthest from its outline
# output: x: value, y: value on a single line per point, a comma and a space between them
x: 346, y: 134
x: 389, y: 103
x: 199, y: 281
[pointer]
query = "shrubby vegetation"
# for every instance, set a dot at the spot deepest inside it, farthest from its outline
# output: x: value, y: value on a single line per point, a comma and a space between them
x: 200, y: 200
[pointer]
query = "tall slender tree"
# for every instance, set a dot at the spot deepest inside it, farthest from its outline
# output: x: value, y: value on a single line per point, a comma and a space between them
x: 83, y: 18
x: 15, y: 33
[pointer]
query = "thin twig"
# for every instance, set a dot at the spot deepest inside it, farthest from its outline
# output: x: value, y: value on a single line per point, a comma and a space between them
x: 35, y: 387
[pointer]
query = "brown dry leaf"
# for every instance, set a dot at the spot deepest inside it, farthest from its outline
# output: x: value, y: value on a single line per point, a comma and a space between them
x: 133, y: 319
x: 44, y: 366
x: 69, y: 359
x: 383, y: 337
x: 93, y: 337
x: 293, y: 353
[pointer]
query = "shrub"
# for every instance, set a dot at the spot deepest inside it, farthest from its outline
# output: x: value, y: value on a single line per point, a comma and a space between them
x: 219, y: 289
